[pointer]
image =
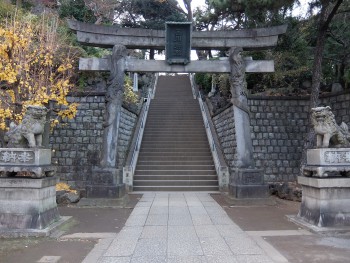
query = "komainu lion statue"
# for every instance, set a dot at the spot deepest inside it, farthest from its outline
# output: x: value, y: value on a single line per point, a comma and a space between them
x: 328, y: 132
x: 29, y: 133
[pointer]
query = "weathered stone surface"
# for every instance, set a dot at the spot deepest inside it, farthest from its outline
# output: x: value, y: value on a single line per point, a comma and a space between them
x: 247, y: 183
x: 327, y: 162
x: 64, y: 197
x: 25, y: 156
x: 328, y: 156
x: 105, y: 183
x: 327, y: 131
x: 27, y: 203
x: 325, y: 202
x: 108, y: 36
x: 30, y: 132
x: 139, y: 65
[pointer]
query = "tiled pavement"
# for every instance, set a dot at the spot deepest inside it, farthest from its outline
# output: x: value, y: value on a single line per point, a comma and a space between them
x: 179, y: 227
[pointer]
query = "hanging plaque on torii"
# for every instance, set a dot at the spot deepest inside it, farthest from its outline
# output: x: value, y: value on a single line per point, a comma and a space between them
x: 178, y: 42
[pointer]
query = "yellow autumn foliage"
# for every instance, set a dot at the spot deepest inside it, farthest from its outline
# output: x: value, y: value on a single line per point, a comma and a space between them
x: 36, y: 67
x: 64, y: 187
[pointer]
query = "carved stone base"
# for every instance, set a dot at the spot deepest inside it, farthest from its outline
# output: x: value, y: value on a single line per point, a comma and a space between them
x: 327, y: 162
x: 247, y: 184
x: 325, y: 201
x: 25, y: 156
x: 28, y: 204
x: 28, y: 171
x: 26, y: 162
x: 105, y: 183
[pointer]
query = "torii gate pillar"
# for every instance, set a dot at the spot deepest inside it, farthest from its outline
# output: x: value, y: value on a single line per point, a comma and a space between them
x: 246, y: 181
x: 107, y: 178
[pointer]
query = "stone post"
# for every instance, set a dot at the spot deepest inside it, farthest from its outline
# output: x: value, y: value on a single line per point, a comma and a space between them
x: 136, y: 82
x: 245, y: 181
x: 106, y: 180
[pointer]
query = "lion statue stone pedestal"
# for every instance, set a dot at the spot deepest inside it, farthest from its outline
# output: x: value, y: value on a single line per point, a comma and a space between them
x: 332, y: 155
x: 326, y: 175
x: 24, y: 155
x: 29, y: 206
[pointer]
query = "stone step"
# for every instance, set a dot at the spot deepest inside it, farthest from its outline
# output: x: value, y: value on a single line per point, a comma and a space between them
x: 161, y: 158
x: 173, y: 145
x: 174, y: 172
x: 176, y: 188
x: 176, y: 177
x: 168, y: 132
x: 175, y: 182
x: 170, y: 162
x: 172, y: 120
x: 175, y: 154
x: 163, y: 167
x: 175, y: 150
x: 174, y: 125
x: 170, y: 137
x: 177, y: 130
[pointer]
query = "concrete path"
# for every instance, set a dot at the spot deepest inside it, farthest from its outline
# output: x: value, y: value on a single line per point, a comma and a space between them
x: 179, y: 227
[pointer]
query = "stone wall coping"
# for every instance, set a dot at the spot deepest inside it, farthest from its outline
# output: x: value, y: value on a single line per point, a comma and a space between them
x: 324, y: 182
x: 265, y: 97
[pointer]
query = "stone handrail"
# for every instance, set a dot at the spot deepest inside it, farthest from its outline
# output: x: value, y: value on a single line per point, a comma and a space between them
x: 130, y: 165
x: 221, y: 166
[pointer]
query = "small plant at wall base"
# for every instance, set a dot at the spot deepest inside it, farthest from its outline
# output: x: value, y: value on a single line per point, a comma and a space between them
x: 36, y: 67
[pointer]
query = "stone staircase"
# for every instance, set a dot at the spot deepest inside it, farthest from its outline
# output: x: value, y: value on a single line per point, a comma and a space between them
x: 174, y: 154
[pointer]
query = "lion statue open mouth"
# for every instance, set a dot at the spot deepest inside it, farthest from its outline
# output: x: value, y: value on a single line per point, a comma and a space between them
x: 29, y: 133
x: 328, y: 132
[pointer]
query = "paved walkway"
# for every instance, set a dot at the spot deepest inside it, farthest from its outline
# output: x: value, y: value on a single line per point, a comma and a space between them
x: 179, y: 227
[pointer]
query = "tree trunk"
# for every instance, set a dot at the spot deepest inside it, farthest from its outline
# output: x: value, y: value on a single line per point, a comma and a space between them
x: 328, y: 10
x: 18, y: 4
x: 151, y: 54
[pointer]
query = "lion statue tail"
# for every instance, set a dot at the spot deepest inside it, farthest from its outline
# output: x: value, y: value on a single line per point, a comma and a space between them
x: 345, y: 130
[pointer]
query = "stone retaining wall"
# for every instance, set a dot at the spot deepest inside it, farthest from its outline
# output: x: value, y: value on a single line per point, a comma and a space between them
x: 278, y: 128
x: 77, y: 143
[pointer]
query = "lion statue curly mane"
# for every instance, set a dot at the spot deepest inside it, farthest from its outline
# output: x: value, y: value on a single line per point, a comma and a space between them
x: 328, y: 132
x: 29, y: 133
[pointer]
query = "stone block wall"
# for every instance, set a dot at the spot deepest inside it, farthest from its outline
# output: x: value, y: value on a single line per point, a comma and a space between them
x: 278, y: 128
x: 340, y: 104
x: 126, y: 129
x: 225, y: 128
x: 78, y: 142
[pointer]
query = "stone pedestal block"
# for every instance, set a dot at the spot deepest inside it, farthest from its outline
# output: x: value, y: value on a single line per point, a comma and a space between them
x: 247, y: 184
x: 25, y: 156
x: 105, y: 183
x: 29, y: 162
x: 326, y: 162
x: 328, y: 156
x: 27, y: 203
x: 325, y: 201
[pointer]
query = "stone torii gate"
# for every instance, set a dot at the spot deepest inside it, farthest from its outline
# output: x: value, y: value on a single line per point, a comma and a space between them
x: 246, y: 181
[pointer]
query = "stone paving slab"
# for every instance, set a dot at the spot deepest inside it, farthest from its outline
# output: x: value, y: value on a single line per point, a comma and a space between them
x: 182, y: 227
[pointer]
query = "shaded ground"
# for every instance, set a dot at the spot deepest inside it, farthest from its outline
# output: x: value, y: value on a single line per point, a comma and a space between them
x: 310, y: 248
x: 315, y: 248
x: 85, y: 220
x: 261, y: 217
